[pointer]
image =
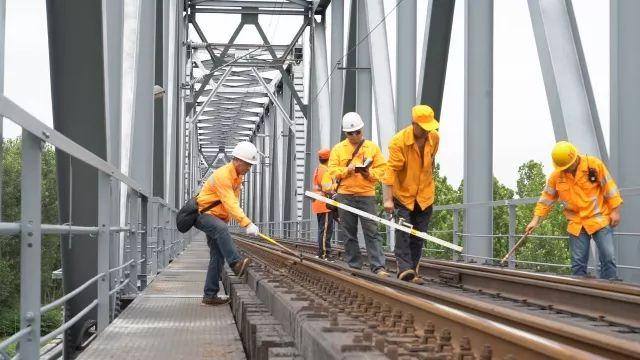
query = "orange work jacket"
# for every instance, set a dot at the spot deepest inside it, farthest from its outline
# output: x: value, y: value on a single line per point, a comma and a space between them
x: 318, y: 207
x: 586, y: 205
x: 409, y: 172
x: 224, y: 185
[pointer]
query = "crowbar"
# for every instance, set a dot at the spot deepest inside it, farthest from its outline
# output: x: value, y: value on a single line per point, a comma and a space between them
x: 515, y: 247
x: 386, y: 222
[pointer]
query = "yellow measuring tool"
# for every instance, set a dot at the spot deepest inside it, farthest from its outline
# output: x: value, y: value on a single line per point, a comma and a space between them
x: 386, y: 222
x: 265, y: 237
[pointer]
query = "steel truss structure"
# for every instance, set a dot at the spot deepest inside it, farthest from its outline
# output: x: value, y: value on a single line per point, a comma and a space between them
x: 184, y: 102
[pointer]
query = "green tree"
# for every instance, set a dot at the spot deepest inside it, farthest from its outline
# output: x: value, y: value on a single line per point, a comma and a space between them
x: 531, y: 181
x: 501, y: 219
x: 10, y: 245
x: 441, y: 224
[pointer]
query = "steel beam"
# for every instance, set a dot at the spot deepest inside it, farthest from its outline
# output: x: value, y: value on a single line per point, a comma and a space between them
x: 79, y: 114
x: 30, y: 245
x: 172, y: 98
x: 212, y: 94
x: 364, y: 99
x: 104, y: 224
x: 322, y: 109
x: 624, y: 144
x: 435, y: 53
x: 564, y: 70
x: 381, y: 73
x: 478, y: 127
x: 406, y: 44
x: 349, y: 93
x: 2, y: 41
x: 159, y: 103
x: 337, y: 77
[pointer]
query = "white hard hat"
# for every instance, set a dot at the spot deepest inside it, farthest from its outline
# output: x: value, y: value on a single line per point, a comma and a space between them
x: 246, y: 151
x: 351, y: 122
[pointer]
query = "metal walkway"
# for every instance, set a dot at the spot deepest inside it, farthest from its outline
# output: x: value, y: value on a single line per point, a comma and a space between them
x: 167, y: 320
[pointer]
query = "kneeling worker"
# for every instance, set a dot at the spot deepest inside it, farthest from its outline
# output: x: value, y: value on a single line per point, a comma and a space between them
x: 591, y: 204
x: 223, y: 188
x: 357, y: 165
x: 409, y: 188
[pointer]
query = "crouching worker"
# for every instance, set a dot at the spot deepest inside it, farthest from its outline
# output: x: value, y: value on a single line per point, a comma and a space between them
x: 591, y: 203
x: 409, y: 188
x: 223, y: 189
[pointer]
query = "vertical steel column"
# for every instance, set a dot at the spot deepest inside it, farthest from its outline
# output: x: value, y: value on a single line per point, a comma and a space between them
x: 160, y: 103
x: 142, y: 141
x: 406, y: 45
x: 566, y: 79
x: 104, y: 226
x: 381, y: 73
x: 435, y: 53
x: 322, y: 106
x: 454, y: 236
x: 144, y: 229
x: 625, y: 127
x: 349, y: 93
x: 181, y: 100
x: 478, y: 126
x: 79, y: 113
x: 2, y: 36
x: 363, y: 74
x: 337, y: 80
x: 133, y: 213
x: 171, y: 99
x: 30, y: 244
x: 512, y: 235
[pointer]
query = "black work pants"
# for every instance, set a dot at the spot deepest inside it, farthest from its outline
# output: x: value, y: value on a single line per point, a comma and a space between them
x: 408, y: 249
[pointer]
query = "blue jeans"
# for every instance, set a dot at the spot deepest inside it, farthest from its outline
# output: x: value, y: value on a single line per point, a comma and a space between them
x: 580, y: 252
x: 221, y: 247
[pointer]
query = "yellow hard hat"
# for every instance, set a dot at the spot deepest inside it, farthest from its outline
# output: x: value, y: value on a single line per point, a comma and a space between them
x: 563, y: 155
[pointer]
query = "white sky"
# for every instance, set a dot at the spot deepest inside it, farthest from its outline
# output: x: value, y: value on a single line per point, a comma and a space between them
x: 522, y: 124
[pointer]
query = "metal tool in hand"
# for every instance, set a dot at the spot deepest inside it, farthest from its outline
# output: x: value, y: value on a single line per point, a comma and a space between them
x: 515, y: 247
x: 265, y: 237
x: 395, y: 218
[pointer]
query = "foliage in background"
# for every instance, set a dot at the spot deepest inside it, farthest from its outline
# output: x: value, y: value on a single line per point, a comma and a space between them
x: 10, y: 245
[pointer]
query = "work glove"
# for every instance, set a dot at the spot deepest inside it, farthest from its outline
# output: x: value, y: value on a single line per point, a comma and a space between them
x: 252, y: 229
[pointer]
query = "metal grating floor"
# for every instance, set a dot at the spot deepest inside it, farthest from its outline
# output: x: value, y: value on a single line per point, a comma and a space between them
x: 167, y: 321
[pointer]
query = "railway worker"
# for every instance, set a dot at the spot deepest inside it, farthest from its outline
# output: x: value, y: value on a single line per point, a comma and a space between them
x: 323, y: 185
x: 409, y: 188
x: 357, y: 165
x: 222, y: 189
x: 591, y: 201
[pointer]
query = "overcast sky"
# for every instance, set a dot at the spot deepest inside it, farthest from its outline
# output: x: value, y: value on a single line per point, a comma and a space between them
x: 522, y: 124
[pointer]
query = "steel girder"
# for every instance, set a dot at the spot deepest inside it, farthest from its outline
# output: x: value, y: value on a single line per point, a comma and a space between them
x: 625, y: 127
x: 406, y: 39
x: 478, y: 128
x: 435, y: 54
x: 564, y: 70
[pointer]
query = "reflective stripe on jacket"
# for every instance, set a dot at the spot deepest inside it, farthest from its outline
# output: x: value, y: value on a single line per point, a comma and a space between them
x: 318, y: 207
x: 586, y: 204
x: 224, y: 185
x: 356, y: 184
x: 410, y: 174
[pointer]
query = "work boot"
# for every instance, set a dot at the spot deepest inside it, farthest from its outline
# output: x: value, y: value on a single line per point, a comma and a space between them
x: 240, y: 266
x: 215, y: 301
x: 407, y: 275
x: 417, y: 280
x: 382, y: 273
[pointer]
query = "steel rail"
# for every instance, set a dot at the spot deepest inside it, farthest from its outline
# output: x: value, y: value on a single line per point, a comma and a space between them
x: 596, y: 341
x: 504, y: 339
x: 610, y: 301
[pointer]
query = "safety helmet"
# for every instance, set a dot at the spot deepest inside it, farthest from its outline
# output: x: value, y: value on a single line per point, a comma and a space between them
x: 351, y: 122
x: 323, y: 154
x: 246, y: 151
x: 423, y: 115
x: 563, y: 155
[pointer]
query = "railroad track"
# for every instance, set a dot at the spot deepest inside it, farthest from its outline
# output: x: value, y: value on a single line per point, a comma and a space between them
x: 611, y: 303
x: 521, y: 329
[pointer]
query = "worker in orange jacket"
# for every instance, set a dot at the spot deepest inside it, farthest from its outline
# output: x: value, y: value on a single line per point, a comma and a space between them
x: 222, y: 190
x: 409, y: 188
x: 322, y: 185
x: 357, y: 165
x: 591, y: 201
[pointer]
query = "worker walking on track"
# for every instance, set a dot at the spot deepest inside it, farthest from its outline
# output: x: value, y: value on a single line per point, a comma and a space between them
x: 222, y: 189
x: 591, y: 201
x: 357, y: 165
x: 323, y: 185
x: 409, y: 188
